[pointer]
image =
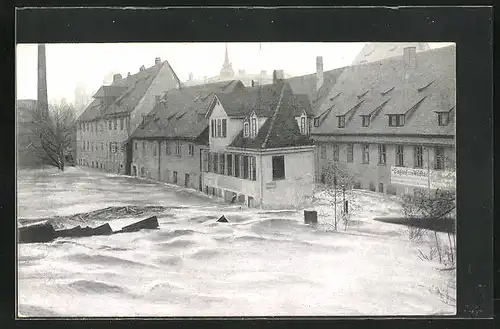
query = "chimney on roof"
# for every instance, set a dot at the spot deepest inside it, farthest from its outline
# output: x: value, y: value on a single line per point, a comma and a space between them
x: 410, y: 57
x: 319, y: 72
x: 157, y: 60
x: 117, y: 77
x: 128, y: 74
x: 253, y: 83
x: 278, y: 76
x: 142, y: 68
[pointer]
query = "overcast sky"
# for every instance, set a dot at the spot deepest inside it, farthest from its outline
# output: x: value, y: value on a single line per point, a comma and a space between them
x: 88, y: 64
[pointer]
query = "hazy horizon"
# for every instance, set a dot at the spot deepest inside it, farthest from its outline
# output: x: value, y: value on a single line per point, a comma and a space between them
x: 87, y: 65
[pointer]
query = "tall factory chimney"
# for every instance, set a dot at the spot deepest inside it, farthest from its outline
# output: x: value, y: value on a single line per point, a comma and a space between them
x: 42, y: 99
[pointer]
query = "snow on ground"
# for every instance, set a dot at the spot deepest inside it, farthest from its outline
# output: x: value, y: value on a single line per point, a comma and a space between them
x: 262, y: 263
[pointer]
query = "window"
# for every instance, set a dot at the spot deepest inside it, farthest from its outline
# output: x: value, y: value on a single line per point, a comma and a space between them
x: 254, y: 127
x: 205, y: 161
x: 341, y: 123
x: 418, y: 159
x: 178, y: 148
x: 175, y: 177
x: 323, y: 151
x: 224, y: 127
x: 88, y: 145
x: 219, y: 128
x: 278, y: 167
x: 135, y: 145
x: 399, y: 155
x: 366, y: 120
x: 168, y: 151
x: 382, y: 154
x: 230, y: 164
x: 245, y: 132
x: 222, y: 164
x: 92, y: 127
x: 115, y: 124
x: 443, y: 118
x: 121, y: 123
x: 246, y: 166
x: 253, y: 171
x: 350, y: 153
x: 102, y: 146
x: 110, y: 125
x: 439, y: 157
x: 336, y: 152
x: 210, y: 164
x: 191, y: 149
x: 242, y: 167
x: 236, y: 166
x: 213, y: 127
x: 154, y: 150
x: 215, y: 162
x: 303, y: 125
x: 396, y: 120
x: 366, y: 153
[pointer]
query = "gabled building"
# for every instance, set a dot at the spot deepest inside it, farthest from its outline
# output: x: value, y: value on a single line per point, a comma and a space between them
x: 397, y: 112
x: 116, y: 111
x: 260, y: 152
x: 167, y: 144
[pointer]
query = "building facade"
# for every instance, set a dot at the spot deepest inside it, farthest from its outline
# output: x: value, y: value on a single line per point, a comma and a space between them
x: 168, y: 145
x: 394, y: 114
x: 259, y: 153
x: 116, y: 111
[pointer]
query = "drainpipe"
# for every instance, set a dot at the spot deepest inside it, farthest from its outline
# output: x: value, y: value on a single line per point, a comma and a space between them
x: 261, y: 181
x: 159, y: 160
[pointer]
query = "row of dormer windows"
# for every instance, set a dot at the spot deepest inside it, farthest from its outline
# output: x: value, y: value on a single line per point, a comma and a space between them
x: 394, y: 120
x: 399, y: 155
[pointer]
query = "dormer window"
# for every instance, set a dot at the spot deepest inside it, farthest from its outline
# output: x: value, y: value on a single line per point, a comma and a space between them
x: 443, y: 118
x: 365, y: 120
x: 303, y: 129
x: 396, y: 120
x: 341, y: 122
x: 246, y: 130
x: 253, y: 132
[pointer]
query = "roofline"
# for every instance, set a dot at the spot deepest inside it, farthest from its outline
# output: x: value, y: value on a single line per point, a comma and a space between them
x: 383, y: 134
x: 163, y: 138
x: 288, y: 149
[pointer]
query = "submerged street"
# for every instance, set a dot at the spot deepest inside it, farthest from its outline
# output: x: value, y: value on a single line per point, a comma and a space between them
x: 261, y: 263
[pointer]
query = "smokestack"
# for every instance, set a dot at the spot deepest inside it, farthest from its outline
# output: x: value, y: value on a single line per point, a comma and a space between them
x: 42, y: 99
x: 319, y: 72
x: 410, y: 57
x: 157, y: 60
x: 278, y: 76
x: 117, y: 77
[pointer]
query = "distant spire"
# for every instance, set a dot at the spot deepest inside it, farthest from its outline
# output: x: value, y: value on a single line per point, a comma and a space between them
x: 227, y: 69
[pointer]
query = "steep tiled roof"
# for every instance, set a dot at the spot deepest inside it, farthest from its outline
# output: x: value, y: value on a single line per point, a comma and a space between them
x: 306, y: 84
x: 181, y: 112
x: 390, y: 87
x: 377, y: 51
x: 127, y: 91
x: 281, y: 128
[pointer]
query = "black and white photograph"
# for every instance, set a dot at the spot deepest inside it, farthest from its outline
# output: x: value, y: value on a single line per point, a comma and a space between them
x: 173, y: 179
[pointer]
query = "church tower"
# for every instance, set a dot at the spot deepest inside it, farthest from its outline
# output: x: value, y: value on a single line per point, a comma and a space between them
x: 227, y: 68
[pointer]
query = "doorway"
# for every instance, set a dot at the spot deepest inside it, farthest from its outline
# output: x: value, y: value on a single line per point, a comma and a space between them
x: 186, y: 180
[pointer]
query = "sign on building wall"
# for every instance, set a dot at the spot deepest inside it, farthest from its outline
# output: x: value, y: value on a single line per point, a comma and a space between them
x: 414, y: 177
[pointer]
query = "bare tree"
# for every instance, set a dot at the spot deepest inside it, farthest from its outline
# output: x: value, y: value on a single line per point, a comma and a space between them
x: 339, y: 182
x: 54, y: 130
x: 434, y: 207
